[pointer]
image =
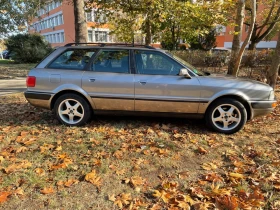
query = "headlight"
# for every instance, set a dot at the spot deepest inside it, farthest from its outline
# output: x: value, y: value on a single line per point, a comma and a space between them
x: 271, y: 96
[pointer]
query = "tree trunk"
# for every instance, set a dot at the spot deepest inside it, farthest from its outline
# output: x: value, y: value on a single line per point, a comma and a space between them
x: 274, y: 69
x: 148, y: 38
x: 252, y: 45
x: 241, y: 51
x: 173, y: 37
x: 237, y: 35
x: 80, y: 22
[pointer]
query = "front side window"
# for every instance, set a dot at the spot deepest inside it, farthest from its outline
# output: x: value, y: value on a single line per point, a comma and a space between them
x: 73, y: 59
x: 155, y: 63
x: 115, y: 61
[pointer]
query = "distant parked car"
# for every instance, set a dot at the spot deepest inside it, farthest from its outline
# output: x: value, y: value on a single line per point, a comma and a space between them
x: 3, y: 52
x: 78, y: 81
x: 7, y: 55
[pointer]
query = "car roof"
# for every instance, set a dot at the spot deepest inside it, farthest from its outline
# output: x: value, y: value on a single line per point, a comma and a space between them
x: 109, y: 46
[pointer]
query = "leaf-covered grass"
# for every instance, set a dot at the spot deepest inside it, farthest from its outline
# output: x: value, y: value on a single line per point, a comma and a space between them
x: 134, y: 163
x: 9, y: 69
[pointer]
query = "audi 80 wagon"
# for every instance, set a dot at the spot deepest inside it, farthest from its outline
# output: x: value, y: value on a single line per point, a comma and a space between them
x: 78, y: 80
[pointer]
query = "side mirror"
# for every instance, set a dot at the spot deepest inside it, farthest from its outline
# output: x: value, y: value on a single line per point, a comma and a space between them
x: 185, y: 73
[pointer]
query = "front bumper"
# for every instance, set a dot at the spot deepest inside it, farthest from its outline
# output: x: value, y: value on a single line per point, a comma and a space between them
x: 260, y: 108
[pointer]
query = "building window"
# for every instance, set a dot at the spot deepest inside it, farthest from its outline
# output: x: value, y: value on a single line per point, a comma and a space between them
x: 60, y: 20
x: 58, y: 38
x: 62, y: 37
x: 90, y: 39
x: 101, y: 36
x: 90, y: 16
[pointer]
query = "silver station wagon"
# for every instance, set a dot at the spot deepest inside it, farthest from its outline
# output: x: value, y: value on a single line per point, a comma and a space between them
x: 79, y: 80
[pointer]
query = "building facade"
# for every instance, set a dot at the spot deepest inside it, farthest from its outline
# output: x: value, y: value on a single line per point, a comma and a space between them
x: 56, y: 23
x: 225, y: 37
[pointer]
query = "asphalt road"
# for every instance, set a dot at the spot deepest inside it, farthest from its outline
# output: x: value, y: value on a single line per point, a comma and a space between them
x: 8, y: 86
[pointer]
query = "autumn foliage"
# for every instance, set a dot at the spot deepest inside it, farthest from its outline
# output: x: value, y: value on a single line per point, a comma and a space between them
x: 135, y: 163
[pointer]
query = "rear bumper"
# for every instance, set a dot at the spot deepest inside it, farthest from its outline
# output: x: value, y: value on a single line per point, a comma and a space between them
x: 39, y: 99
x: 260, y: 108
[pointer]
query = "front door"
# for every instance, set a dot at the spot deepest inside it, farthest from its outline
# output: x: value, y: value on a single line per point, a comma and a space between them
x: 159, y: 88
x: 109, y: 81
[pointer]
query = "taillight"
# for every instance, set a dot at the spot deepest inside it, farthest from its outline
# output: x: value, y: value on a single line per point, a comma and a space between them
x: 30, y: 81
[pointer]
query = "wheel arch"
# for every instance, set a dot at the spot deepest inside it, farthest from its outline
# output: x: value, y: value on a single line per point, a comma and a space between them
x: 243, y: 101
x: 62, y: 92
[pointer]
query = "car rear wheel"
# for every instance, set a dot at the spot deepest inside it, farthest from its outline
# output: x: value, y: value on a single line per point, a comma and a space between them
x: 226, y: 116
x: 72, y: 109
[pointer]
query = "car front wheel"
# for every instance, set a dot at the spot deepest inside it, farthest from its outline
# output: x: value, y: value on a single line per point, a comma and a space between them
x: 72, y: 109
x: 226, y: 116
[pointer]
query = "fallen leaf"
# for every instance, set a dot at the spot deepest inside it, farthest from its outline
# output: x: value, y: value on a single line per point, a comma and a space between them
x: 47, y: 191
x: 70, y: 182
x: 40, y: 171
x: 93, y: 178
x: 201, y: 150
x: 4, y: 196
x: 209, y: 166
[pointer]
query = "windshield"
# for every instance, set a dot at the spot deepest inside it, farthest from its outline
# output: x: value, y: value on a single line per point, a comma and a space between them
x: 189, y: 66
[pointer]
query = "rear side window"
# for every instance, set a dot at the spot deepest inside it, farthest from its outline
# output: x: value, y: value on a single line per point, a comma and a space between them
x: 73, y: 59
x: 114, y: 61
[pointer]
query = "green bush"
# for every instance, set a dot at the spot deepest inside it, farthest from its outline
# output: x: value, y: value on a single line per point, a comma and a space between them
x: 27, y: 48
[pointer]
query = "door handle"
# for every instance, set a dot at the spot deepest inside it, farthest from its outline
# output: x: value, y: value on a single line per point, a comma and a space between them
x: 143, y: 82
x: 92, y: 80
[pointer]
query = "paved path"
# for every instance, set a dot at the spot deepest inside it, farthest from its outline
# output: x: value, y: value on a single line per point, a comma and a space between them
x: 8, y: 86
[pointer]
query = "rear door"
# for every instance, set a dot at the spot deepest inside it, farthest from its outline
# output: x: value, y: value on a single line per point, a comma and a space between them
x: 65, y: 70
x: 109, y: 81
x: 159, y: 88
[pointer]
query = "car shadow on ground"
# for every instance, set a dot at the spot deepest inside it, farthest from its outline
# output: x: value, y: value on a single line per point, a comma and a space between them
x: 25, y: 114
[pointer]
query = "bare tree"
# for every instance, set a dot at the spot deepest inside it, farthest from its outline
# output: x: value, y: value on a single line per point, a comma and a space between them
x: 264, y: 25
x: 237, y: 35
x: 237, y: 51
x: 273, y: 72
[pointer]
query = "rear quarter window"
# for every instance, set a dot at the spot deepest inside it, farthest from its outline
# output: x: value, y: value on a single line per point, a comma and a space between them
x: 73, y: 59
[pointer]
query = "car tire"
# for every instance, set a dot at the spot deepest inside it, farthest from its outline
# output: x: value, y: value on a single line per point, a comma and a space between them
x: 72, y: 110
x: 226, y: 116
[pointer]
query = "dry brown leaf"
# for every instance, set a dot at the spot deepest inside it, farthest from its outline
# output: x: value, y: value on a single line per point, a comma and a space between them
x: 165, y: 127
x: 21, y: 149
x: 19, y: 191
x: 220, y: 192
x: 29, y: 142
x: 122, y: 200
x: 137, y: 181
x: 40, y: 171
x: 4, y: 196
x: 59, y: 148
x: 58, y: 166
x: 120, y: 172
x: 17, y: 166
x: 236, y: 175
x: 112, y: 197
x: 93, y: 178
x: 227, y: 202
x: 47, y: 190
x: 70, y: 182
x: 201, y: 150
x: 118, y: 154
x: 183, y: 175
x: 209, y: 166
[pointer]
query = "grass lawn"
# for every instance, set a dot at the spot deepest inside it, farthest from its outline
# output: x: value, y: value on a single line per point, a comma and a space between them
x: 134, y: 163
x: 9, y: 70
